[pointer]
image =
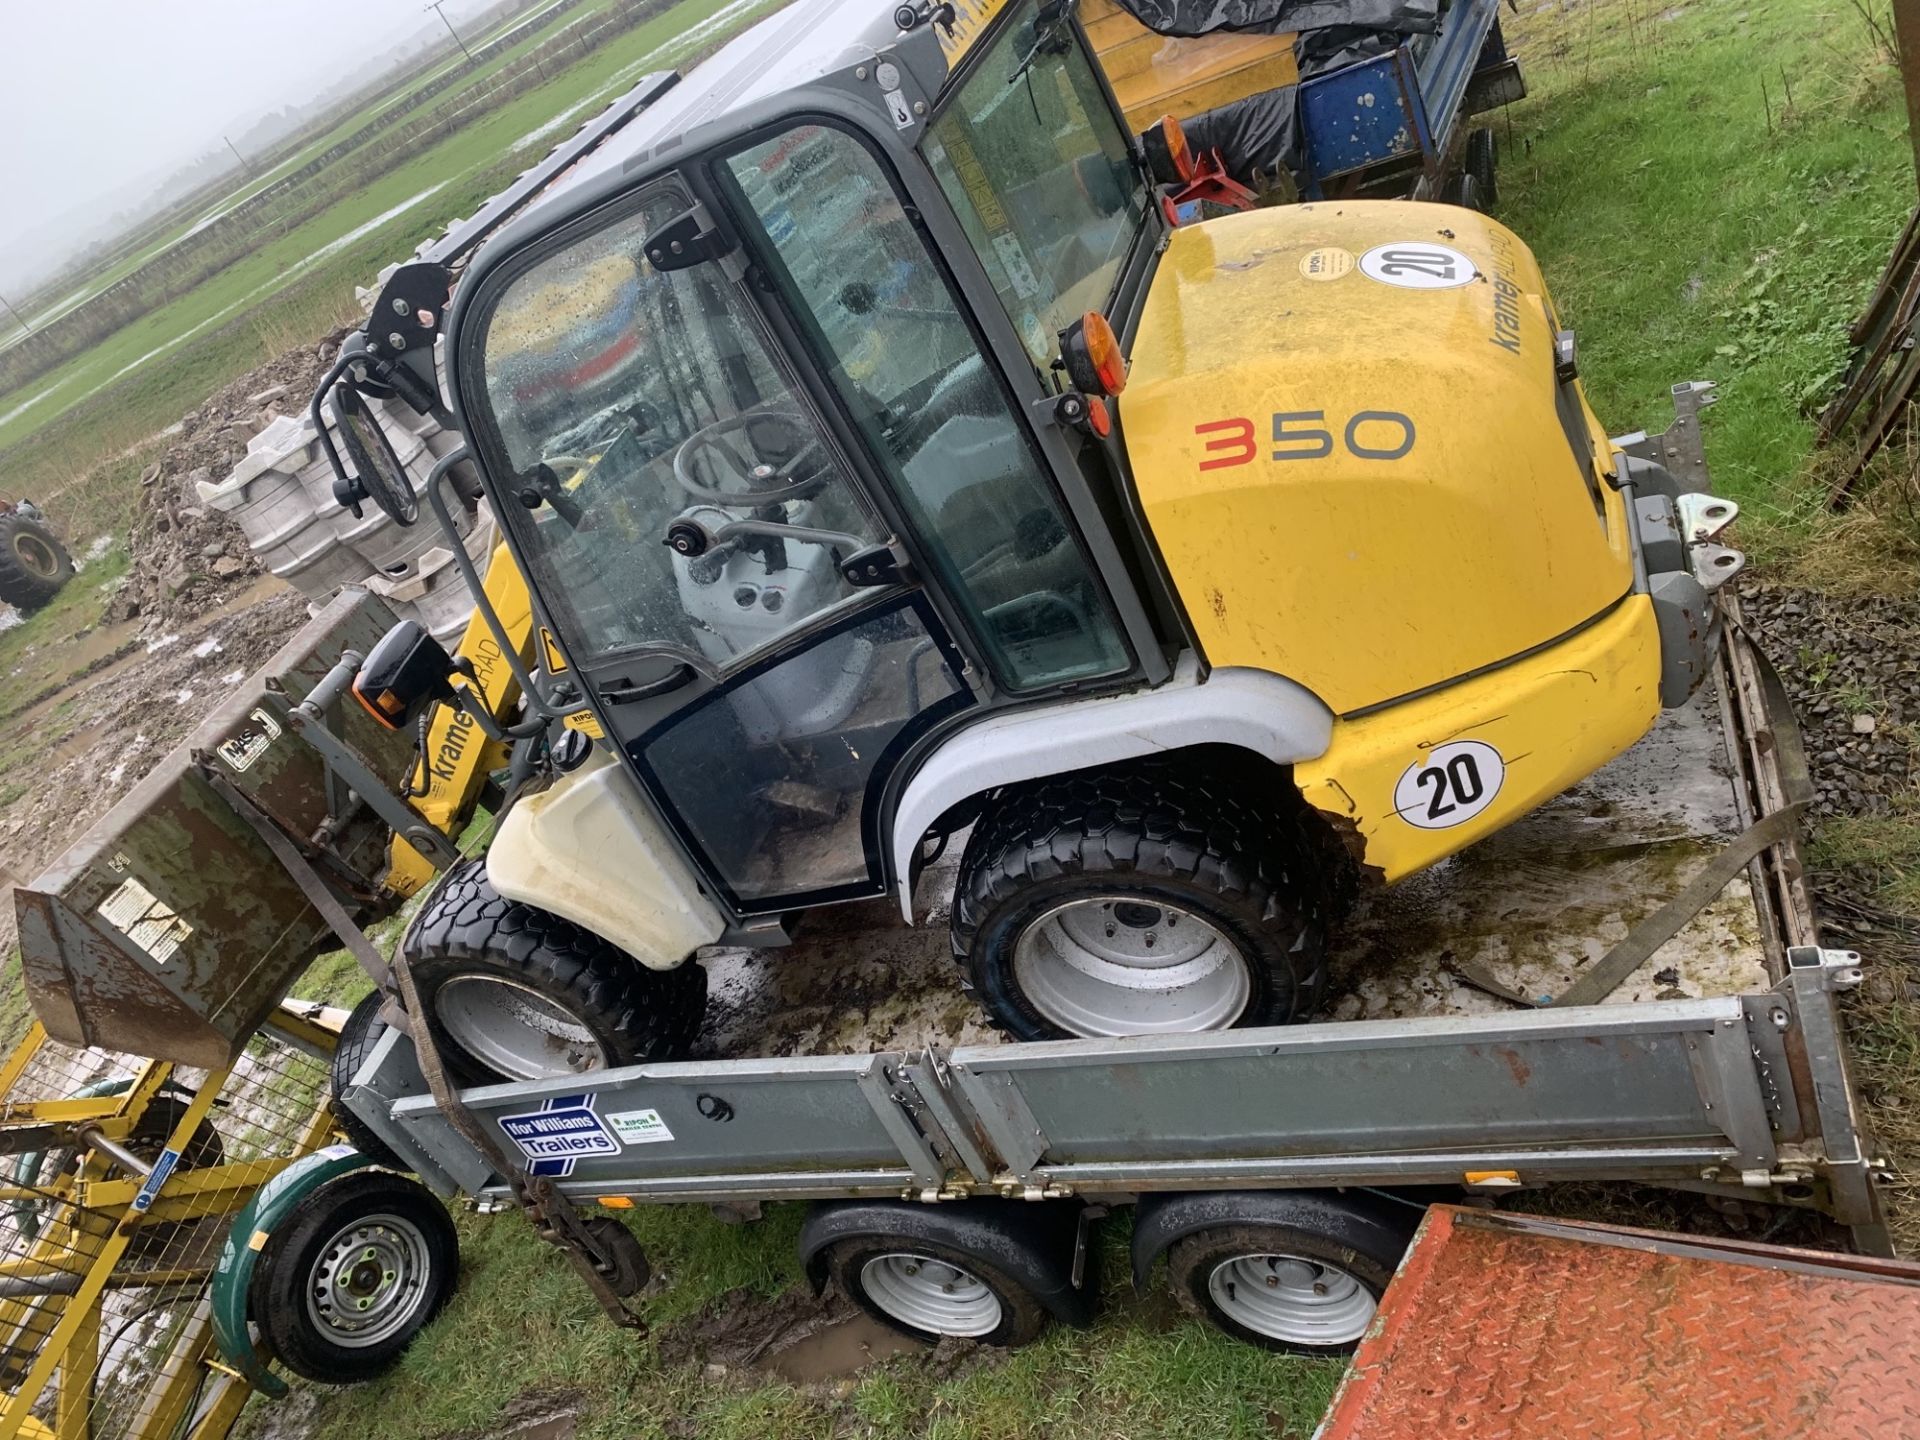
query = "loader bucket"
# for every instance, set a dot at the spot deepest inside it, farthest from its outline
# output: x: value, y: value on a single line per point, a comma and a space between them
x: 170, y: 929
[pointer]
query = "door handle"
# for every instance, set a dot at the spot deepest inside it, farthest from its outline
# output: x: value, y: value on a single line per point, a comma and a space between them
x: 621, y: 693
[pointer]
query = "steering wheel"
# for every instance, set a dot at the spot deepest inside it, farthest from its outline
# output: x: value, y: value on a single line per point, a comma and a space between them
x: 807, y: 470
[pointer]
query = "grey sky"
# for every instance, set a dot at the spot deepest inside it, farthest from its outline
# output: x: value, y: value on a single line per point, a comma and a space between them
x: 101, y: 94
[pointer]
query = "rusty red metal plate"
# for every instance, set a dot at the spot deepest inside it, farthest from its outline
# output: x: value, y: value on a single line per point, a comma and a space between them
x: 1504, y: 1327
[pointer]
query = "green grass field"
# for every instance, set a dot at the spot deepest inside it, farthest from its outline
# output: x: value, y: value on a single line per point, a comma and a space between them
x: 301, y: 284
x: 253, y: 184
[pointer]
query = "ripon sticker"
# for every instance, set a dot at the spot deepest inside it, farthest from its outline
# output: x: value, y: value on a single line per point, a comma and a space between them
x: 1418, y: 265
x: 639, y: 1127
x: 1329, y: 262
x: 1451, y: 785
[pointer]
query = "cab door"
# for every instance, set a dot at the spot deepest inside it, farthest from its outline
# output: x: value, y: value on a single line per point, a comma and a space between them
x: 709, y: 537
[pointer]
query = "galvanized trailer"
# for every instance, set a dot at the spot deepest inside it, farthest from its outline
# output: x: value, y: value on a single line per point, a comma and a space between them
x: 1721, y: 1067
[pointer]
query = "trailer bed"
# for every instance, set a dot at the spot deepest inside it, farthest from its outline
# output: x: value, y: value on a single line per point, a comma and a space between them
x: 1544, y: 1328
x: 1532, y: 905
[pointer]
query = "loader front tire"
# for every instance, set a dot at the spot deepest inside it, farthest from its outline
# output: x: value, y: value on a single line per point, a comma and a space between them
x: 1149, y: 898
x: 33, y: 564
x: 515, y: 993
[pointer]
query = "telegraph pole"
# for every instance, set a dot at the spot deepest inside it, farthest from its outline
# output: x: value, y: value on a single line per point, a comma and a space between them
x: 16, y: 315
x: 436, y: 8
x: 237, y: 155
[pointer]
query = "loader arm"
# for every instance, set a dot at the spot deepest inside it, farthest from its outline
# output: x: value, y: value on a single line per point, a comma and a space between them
x: 457, y: 756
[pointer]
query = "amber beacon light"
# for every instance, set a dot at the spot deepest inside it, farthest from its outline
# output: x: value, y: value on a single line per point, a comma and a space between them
x: 1092, y: 354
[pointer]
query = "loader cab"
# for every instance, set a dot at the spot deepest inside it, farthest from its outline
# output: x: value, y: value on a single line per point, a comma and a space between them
x: 770, y: 407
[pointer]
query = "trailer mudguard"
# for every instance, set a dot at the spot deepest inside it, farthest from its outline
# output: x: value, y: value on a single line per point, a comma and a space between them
x: 1034, y: 1243
x: 233, y: 1275
x: 1161, y: 1220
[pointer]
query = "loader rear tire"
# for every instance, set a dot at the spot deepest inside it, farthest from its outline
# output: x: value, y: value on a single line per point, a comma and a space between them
x: 34, y: 566
x: 358, y: 1036
x: 515, y: 993
x: 1156, y: 897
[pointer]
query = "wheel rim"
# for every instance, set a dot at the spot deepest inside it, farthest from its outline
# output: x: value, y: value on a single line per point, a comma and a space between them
x: 1292, y: 1299
x: 370, y: 1282
x: 931, y: 1295
x: 37, y: 556
x: 1121, y: 965
x: 514, y: 1030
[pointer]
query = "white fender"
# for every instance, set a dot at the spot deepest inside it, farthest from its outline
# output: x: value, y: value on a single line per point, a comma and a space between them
x: 1252, y: 709
x: 590, y: 849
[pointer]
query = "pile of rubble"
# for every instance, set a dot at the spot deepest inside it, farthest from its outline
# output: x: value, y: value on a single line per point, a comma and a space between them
x: 186, y: 559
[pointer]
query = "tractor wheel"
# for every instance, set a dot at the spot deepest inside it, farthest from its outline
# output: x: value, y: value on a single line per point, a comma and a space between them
x: 1151, y: 898
x: 33, y: 565
x: 358, y: 1036
x: 515, y: 993
x: 354, y: 1273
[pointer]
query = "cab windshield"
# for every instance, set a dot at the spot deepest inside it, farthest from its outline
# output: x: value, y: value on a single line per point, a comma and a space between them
x: 1035, y: 163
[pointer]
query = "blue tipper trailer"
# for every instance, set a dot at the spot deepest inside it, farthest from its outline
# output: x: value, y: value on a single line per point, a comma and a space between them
x: 1395, y: 125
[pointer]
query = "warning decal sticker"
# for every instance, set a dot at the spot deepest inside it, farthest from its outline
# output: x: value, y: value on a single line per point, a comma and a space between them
x: 137, y: 913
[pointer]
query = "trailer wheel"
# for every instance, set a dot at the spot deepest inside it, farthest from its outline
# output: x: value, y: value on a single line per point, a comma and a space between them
x: 513, y: 992
x: 1481, y: 161
x: 1146, y: 899
x: 1306, y: 1288
x: 353, y: 1274
x: 623, y: 1260
x: 929, y: 1291
x: 33, y: 564
x: 358, y: 1036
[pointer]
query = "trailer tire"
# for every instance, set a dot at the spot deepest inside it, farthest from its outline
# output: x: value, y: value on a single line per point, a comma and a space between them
x: 358, y: 1036
x: 340, y: 1318
x: 34, y: 565
x: 513, y: 992
x: 1481, y: 162
x: 1306, y: 1284
x: 954, y: 1293
x: 1056, y: 868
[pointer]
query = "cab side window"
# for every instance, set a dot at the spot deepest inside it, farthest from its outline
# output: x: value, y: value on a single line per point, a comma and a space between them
x: 908, y: 366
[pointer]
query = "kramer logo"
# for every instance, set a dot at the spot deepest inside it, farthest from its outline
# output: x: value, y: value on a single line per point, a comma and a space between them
x: 1506, y: 296
x: 459, y: 737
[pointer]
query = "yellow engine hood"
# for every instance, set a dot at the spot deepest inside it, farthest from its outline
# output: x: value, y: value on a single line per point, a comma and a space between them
x: 1361, y: 485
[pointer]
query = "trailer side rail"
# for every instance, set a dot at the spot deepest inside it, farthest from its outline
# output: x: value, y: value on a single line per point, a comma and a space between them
x: 1693, y: 1092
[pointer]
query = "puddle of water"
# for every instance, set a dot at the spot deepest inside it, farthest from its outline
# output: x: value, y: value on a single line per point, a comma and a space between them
x: 839, y: 1349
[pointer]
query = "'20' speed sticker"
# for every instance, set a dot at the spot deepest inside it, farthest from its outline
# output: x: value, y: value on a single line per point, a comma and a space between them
x: 1416, y: 265
x: 1454, y: 783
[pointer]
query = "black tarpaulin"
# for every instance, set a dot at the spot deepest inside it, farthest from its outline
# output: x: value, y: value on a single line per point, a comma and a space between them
x: 1279, y: 17
x: 1258, y: 137
x: 1318, y: 51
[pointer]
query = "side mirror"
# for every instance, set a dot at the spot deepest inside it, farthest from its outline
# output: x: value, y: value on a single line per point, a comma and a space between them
x: 408, y: 672
x: 378, y: 474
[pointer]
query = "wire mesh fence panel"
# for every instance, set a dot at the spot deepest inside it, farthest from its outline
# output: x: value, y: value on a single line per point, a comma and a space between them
x: 133, y: 1365
x: 64, y: 1072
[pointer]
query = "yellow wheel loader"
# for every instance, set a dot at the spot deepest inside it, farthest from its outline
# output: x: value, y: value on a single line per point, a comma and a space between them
x: 887, y: 466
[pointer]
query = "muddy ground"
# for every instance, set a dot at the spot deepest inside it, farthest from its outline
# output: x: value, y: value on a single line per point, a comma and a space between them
x: 192, y: 615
